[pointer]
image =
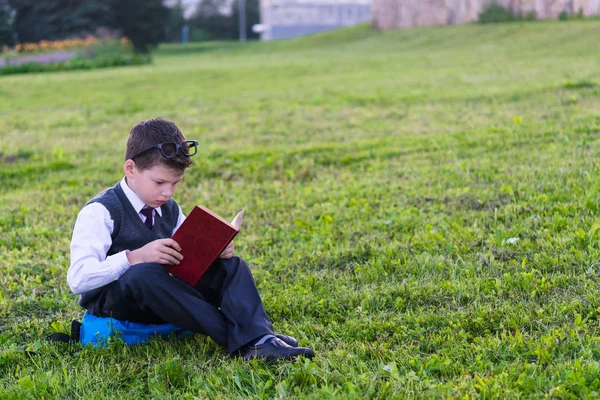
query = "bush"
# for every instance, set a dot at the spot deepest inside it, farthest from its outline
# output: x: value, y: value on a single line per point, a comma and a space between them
x: 496, y: 13
x: 565, y: 16
x: 200, y: 35
x: 531, y: 16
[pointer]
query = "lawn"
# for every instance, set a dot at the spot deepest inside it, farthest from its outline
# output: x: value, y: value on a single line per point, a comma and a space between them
x: 422, y: 208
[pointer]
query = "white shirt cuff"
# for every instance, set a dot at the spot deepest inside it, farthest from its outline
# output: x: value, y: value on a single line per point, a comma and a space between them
x: 120, y: 262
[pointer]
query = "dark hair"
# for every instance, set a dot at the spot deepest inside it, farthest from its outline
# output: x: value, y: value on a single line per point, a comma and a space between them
x: 150, y: 133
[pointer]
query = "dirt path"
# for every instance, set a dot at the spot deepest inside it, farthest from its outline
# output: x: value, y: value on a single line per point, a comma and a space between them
x: 45, y: 58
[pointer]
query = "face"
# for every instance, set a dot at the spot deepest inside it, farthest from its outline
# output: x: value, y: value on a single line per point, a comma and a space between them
x: 153, y: 186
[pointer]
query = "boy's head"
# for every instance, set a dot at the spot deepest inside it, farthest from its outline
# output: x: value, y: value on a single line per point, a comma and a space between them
x: 147, y: 134
x: 156, y: 158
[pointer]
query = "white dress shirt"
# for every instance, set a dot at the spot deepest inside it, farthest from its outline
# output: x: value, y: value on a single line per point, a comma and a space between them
x: 90, y: 267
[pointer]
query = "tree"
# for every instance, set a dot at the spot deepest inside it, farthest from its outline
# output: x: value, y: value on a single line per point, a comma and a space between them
x: 212, y: 18
x: 6, y: 24
x: 175, y: 22
x: 58, y: 19
x: 141, y: 21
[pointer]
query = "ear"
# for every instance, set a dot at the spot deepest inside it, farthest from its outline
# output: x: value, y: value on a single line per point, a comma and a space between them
x: 129, y: 168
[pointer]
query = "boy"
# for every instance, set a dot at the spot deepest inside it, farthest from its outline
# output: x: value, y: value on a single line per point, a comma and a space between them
x: 122, y: 239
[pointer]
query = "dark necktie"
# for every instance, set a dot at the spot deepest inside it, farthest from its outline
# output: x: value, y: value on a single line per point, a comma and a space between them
x: 147, y: 212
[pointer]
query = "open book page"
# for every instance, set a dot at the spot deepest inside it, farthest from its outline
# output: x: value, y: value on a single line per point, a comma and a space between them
x: 237, y: 221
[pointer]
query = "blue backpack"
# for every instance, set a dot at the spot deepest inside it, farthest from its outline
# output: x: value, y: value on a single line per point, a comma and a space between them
x: 98, y: 330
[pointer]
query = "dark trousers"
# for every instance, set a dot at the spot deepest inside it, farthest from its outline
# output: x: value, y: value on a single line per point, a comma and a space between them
x: 224, y: 304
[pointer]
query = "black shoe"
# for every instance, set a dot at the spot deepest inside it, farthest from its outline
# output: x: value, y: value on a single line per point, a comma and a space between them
x: 287, y: 339
x: 276, y: 349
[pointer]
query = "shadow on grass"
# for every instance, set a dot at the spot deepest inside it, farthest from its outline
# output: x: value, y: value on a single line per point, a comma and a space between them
x: 180, y: 49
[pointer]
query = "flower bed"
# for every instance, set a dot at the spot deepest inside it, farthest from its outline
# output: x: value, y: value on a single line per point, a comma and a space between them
x: 72, y: 54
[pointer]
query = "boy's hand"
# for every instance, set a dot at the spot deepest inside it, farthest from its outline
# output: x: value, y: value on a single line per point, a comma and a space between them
x: 228, y: 252
x: 162, y: 251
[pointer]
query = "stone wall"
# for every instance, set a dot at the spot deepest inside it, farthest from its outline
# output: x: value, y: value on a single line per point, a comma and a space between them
x: 390, y: 14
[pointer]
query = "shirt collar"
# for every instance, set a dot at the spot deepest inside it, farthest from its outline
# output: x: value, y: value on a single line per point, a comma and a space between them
x: 134, y: 199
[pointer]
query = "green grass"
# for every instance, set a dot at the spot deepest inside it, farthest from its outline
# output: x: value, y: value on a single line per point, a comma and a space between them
x: 385, y: 176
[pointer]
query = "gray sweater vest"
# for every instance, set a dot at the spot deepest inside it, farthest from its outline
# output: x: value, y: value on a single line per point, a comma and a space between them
x: 129, y: 232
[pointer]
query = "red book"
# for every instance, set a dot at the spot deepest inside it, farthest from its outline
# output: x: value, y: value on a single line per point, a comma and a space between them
x: 203, y: 236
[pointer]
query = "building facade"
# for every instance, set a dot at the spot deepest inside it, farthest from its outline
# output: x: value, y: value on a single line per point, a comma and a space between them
x: 392, y: 14
x: 283, y: 19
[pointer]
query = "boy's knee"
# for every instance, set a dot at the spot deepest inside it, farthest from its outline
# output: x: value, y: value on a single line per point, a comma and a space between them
x: 143, y: 273
x: 233, y: 264
x: 242, y: 264
x: 237, y: 260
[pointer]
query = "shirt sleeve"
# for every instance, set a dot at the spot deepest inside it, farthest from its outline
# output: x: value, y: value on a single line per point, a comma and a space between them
x: 179, y: 220
x: 90, y: 267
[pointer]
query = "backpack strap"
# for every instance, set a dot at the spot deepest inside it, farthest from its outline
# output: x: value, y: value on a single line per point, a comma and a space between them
x: 75, y: 330
x: 64, y: 338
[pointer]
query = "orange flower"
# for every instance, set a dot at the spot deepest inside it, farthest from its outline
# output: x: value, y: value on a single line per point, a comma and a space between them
x: 61, y: 44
